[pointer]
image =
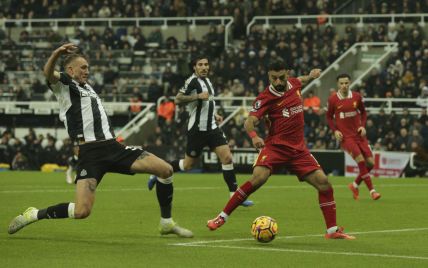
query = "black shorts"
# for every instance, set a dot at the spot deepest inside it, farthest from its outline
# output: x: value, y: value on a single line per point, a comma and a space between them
x: 97, y: 158
x: 197, y: 140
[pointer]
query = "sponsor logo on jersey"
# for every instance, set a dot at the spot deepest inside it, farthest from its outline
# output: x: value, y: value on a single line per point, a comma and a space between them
x: 348, y: 114
x: 285, y: 113
x: 292, y: 111
x: 83, y: 172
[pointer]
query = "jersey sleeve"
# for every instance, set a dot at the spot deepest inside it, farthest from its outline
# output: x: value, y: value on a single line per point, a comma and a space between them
x: 189, y: 86
x: 295, y: 82
x: 330, y: 114
x: 64, y: 80
x: 260, y: 106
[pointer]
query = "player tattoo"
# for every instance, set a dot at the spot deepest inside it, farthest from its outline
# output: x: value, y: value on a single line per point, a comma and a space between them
x: 92, y: 185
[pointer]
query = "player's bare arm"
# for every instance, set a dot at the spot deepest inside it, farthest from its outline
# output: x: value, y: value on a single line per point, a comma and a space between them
x: 249, y: 125
x: 218, y: 118
x: 49, y: 70
x: 182, y: 99
x: 313, y: 74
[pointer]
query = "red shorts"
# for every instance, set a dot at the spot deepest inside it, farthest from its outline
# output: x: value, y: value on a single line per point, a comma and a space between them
x: 276, y: 156
x: 357, y: 147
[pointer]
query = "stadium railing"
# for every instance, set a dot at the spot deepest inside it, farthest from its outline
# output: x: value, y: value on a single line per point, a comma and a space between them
x: 373, y: 105
x: 342, y: 18
x: 164, y: 22
x: 350, y: 62
x: 52, y: 107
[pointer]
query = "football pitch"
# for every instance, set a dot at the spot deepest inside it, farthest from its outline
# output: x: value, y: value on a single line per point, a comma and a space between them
x: 122, y: 230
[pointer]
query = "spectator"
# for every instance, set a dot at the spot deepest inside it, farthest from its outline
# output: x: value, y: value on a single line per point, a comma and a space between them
x: 20, y: 162
x: 313, y: 102
x: 166, y: 111
x: 422, y: 100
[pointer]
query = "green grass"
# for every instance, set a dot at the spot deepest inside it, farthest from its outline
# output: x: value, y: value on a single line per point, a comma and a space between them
x: 122, y: 229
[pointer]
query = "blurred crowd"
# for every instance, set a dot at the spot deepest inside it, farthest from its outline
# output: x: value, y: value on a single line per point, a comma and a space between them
x: 33, y: 150
x: 238, y: 71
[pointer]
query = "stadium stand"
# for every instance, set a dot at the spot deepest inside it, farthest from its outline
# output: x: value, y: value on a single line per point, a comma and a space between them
x: 133, y: 64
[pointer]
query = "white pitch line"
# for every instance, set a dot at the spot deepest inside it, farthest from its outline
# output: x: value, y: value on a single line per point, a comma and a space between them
x: 298, y: 236
x: 319, y: 252
x: 71, y: 189
x: 364, y: 254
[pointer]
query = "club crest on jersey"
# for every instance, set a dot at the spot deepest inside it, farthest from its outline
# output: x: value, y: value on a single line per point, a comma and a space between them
x: 256, y: 106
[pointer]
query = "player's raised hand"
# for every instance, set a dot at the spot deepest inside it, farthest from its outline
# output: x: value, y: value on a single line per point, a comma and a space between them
x: 203, y: 96
x: 218, y: 118
x: 362, y: 131
x: 68, y: 48
x: 258, y: 142
x: 338, y: 135
x: 315, y: 73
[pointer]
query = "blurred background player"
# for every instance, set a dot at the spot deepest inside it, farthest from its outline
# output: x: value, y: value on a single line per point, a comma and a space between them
x: 198, y: 94
x: 347, y: 117
x: 284, y: 146
x: 87, y: 123
x: 72, y: 164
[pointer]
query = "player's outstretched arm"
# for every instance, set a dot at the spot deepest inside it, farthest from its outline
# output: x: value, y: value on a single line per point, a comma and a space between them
x: 182, y: 98
x: 249, y: 125
x: 314, y: 74
x: 49, y: 70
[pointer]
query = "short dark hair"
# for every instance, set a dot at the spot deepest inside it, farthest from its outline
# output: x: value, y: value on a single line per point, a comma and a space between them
x: 343, y: 76
x: 277, y: 65
x: 70, y: 57
x: 196, y: 58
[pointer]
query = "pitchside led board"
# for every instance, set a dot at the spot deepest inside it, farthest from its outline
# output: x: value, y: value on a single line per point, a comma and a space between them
x: 387, y: 164
x: 332, y: 161
x: 336, y: 162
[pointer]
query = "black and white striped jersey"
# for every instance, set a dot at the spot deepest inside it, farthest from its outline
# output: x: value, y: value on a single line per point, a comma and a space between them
x: 201, y: 112
x: 81, y: 110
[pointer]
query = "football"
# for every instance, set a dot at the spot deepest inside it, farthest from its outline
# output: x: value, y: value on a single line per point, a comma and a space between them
x: 264, y: 229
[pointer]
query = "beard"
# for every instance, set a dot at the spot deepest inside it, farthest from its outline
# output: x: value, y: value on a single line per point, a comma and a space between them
x: 280, y: 88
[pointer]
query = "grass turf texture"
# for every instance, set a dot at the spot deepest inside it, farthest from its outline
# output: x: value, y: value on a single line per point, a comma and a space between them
x: 122, y: 229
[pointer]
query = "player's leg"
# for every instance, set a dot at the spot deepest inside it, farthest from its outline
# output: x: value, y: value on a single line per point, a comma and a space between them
x: 369, y: 163
x: 319, y: 180
x: 69, y: 175
x: 84, y: 201
x: 224, y: 154
x: 149, y: 163
x: 195, y: 144
x: 354, y: 151
x: 259, y: 177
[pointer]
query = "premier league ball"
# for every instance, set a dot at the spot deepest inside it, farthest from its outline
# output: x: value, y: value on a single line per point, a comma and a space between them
x: 264, y: 229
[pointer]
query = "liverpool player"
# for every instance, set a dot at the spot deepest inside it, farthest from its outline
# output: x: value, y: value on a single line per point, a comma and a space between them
x: 284, y: 146
x: 347, y: 116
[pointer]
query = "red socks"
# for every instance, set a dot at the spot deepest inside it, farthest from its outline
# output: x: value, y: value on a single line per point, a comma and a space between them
x: 364, y: 175
x: 328, y: 207
x: 238, y: 197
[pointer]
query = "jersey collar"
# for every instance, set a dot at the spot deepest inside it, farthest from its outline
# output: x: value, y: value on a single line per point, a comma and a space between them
x: 276, y: 92
x: 339, y: 95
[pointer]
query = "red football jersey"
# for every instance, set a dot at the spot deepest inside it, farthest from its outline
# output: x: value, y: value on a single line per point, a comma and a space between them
x: 346, y: 114
x: 285, y: 112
